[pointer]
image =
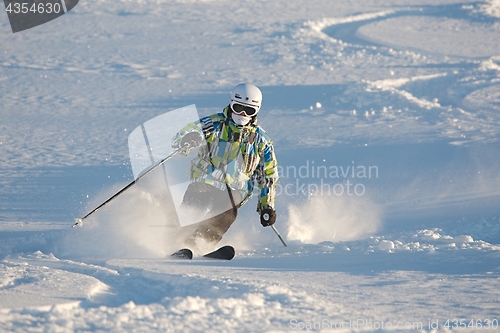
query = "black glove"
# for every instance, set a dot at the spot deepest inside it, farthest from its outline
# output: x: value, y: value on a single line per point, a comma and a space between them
x: 191, y: 140
x: 267, y: 216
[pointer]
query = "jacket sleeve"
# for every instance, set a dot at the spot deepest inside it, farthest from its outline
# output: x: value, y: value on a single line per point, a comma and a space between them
x: 189, y: 128
x: 267, y: 177
x: 204, y: 126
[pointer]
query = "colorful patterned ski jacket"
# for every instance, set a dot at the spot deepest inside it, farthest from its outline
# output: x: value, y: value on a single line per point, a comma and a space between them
x: 233, y: 155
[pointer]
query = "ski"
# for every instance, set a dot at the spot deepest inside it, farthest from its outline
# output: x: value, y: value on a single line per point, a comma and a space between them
x: 223, y: 253
x: 183, y: 254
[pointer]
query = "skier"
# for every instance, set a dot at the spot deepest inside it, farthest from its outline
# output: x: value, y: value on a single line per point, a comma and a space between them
x: 234, y: 152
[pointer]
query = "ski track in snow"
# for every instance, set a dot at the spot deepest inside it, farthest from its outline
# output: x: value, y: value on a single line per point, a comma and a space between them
x: 410, y: 87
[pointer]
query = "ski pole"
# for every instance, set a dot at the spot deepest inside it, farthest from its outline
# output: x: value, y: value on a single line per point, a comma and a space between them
x: 79, y: 221
x: 278, y: 234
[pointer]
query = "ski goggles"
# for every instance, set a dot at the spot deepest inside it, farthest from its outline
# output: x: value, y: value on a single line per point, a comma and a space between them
x: 247, y: 110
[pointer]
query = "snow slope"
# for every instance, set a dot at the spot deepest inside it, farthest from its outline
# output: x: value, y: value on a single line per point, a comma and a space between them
x: 385, y: 117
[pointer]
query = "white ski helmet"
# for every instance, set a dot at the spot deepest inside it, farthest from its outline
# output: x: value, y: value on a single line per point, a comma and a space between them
x: 246, y: 99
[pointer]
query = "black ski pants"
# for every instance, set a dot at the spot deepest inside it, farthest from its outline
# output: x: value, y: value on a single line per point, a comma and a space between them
x: 216, y: 206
